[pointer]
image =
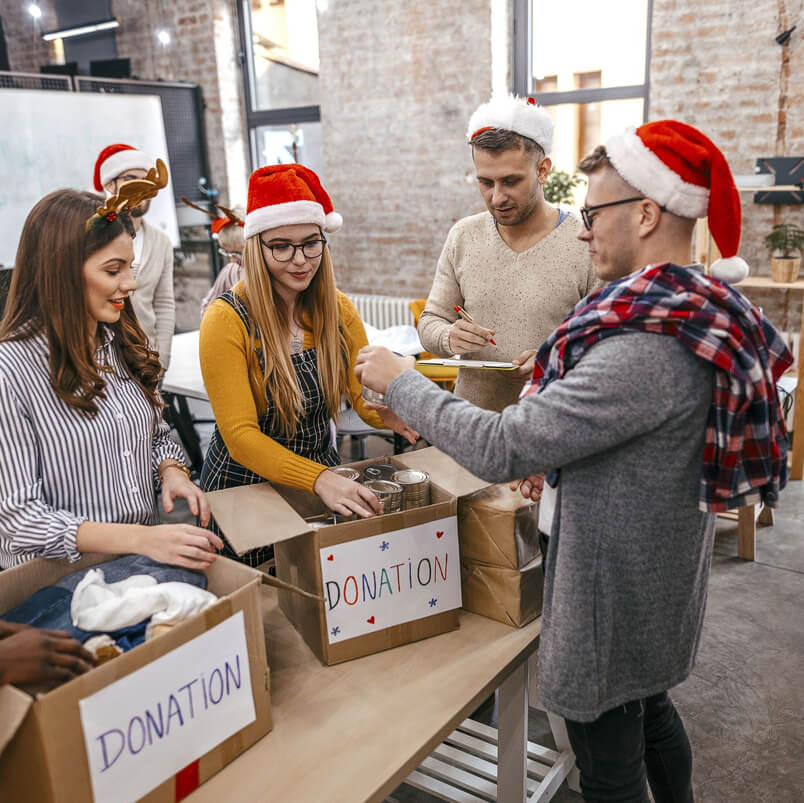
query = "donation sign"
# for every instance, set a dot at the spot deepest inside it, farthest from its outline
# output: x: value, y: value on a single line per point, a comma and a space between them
x: 145, y: 727
x: 392, y: 578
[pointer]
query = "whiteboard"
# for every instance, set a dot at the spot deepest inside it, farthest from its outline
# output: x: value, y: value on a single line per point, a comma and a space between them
x: 50, y: 140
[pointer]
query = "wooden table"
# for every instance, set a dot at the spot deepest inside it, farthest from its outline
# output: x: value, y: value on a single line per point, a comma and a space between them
x: 766, y: 283
x: 355, y: 731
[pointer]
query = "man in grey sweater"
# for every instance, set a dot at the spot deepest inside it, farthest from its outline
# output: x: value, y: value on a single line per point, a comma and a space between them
x: 625, y: 419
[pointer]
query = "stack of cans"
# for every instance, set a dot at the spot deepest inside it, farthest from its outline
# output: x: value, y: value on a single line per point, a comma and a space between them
x: 415, y: 487
x: 345, y: 471
x: 389, y: 493
x: 379, y: 471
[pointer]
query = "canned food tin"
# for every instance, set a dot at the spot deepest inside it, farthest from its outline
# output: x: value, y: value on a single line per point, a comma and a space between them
x: 372, y: 396
x: 346, y: 471
x: 379, y: 471
x: 415, y: 487
x: 389, y: 493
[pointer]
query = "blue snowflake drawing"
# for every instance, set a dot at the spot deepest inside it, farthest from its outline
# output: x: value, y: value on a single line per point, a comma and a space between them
x: 433, y: 602
x: 335, y: 631
x: 384, y: 545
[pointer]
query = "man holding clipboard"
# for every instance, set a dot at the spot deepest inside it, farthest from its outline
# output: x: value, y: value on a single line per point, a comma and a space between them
x: 506, y: 277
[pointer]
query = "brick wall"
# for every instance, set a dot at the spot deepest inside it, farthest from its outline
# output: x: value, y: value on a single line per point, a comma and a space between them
x: 202, y: 51
x: 397, y: 90
x: 26, y: 50
x: 716, y: 65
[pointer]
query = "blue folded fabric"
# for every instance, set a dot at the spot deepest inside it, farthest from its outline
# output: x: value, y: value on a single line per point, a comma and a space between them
x: 50, y: 606
x: 116, y: 570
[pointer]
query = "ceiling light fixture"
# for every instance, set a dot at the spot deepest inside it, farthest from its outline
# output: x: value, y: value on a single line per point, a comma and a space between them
x: 163, y: 36
x: 82, y: 30
x: 34, y: 11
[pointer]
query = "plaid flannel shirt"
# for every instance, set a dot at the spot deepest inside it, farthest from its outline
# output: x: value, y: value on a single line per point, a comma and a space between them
x: 745, y: 453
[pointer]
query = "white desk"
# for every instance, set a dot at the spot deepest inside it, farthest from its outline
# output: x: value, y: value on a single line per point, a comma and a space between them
x: 183, y: 377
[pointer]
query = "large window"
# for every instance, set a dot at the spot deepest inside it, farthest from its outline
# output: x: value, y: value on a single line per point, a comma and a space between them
x: 587, y: 63
x: 280, y: 52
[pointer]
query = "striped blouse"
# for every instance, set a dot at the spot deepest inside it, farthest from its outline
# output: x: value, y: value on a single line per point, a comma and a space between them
x: 60, y: 467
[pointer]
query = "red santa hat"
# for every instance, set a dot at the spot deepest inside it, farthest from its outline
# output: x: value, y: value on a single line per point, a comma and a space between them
x: 114, y: 160
x: 684, y: 171
x: 221, y: 223
x: 281, y: 195
x: 523, y: 116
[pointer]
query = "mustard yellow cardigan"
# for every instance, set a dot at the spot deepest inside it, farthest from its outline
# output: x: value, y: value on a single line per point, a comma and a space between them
x: 238, y: 401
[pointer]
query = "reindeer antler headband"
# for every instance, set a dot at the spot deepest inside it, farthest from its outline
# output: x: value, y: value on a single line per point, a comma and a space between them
x: 129, y: 195
x: 217, y: 222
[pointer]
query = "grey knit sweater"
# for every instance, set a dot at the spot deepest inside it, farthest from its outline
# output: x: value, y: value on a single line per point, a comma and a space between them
x: 630, y: 551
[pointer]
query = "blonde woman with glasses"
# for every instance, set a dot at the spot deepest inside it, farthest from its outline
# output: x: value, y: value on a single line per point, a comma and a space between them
x: 278, y: 352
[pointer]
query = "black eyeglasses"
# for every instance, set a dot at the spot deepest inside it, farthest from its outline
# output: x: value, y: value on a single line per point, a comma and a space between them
x: 285, y: 252
x: 589, y: 219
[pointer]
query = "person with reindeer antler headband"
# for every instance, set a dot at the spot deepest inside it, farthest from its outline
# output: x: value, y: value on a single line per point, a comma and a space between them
x: 228, y: 231
x: 154, y: 302
x: 83, y: 445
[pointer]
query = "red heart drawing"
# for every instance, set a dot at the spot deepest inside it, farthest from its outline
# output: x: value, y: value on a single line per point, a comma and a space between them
x: 331, y: 557
x: 439, y: 533
x: 370, y: 620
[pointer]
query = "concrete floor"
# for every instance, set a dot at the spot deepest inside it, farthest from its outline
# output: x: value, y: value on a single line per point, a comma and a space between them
x: 743, y: 706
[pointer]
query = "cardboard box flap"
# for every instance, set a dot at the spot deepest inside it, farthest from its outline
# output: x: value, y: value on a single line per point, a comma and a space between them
x: 500, y: 498
x: 14, y: 705
x: 454, y: 479
x: 253, y: 516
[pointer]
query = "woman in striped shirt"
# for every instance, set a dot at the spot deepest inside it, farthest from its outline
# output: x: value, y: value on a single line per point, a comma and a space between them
x: 83, y: 443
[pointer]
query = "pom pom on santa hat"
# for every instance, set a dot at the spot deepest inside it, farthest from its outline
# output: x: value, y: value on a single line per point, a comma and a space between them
x: 114, y: 160
x: 523, y: 116
x: 682, y: 170
x: 282, y: 195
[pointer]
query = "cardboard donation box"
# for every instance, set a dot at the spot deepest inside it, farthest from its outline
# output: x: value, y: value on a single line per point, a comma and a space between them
x: 498, y: 527
x: 356, y: 587
x: 500, y: 558
x: 511, y: 596
x: 151, y: 724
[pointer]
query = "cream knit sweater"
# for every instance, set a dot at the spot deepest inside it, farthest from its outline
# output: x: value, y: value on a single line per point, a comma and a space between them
x: 524, y: 297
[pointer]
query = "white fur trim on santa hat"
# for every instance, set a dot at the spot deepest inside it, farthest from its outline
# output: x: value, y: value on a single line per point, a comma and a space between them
x: 643, y: 169
x: 514, y: 114
x: 730, y: 270
x: 287, y: 214
x: 119, y: 162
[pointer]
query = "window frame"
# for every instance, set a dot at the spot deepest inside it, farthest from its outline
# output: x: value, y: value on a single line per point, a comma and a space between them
x: 256, y: 118
x: 523, y: 68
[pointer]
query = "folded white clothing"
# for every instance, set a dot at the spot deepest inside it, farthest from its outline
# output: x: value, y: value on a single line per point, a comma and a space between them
x: 100, y: 607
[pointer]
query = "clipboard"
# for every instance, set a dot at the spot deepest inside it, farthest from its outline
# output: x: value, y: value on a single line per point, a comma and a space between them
x: 457, y: 363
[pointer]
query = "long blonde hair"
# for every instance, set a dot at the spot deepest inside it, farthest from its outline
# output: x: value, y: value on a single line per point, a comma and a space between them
x: 319, y: 309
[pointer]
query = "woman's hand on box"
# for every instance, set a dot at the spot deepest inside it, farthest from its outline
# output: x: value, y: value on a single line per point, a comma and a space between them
x: 376, y: 367
x: 531, y: 487
x: 179, y: 545
x: 177, y: 485
x: 36, y: 656
x: 346, y: 497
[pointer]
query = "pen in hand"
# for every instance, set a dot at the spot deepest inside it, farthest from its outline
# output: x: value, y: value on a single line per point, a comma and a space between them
x: 469, y: 319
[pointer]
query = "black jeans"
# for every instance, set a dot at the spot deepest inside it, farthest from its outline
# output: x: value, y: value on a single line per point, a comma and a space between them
x: 643, y: 739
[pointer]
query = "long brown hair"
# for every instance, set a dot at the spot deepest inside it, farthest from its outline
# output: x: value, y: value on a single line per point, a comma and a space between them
x: 47, y: 295
x: 319, y: 309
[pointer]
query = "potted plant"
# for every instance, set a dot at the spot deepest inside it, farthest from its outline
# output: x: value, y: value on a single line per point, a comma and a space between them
x: 559, y: 186
x: 785, y: 239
